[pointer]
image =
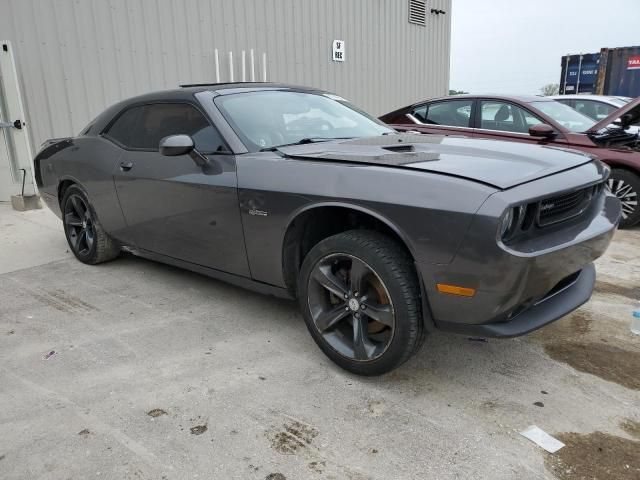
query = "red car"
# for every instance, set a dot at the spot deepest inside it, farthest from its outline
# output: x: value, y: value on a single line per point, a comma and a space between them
x: 542, y: 121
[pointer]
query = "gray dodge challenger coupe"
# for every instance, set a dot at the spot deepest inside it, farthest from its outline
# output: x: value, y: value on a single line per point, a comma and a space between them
x: 294, y: 192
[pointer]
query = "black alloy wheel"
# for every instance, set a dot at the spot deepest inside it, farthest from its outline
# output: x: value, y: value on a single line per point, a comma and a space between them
x: 360, y: 297
x: 86, y: 237
x: 350, y: 307
x: 79, y: 225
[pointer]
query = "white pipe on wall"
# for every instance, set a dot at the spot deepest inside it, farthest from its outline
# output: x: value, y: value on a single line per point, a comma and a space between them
x: 264, y: 67
x: 244, y: 69
x: 253, y: 70
x: 215, y: 55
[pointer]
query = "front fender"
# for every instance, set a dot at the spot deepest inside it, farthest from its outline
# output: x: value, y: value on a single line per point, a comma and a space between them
x: 352, y: 206
x: 430, y: 212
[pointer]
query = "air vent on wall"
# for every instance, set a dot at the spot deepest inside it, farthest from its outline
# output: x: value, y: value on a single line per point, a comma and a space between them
x: 418, y: 12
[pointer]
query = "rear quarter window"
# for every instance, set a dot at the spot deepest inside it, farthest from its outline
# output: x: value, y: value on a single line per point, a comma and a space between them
x: 455, y: 113
x: 123, y: 129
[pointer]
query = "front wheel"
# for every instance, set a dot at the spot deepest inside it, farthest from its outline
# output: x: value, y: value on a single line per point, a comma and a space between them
x: 626, y: 186
x: 360, y: 299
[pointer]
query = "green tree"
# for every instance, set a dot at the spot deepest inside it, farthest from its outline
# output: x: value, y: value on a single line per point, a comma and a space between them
x: 457, y: 92
x: 550, y: 89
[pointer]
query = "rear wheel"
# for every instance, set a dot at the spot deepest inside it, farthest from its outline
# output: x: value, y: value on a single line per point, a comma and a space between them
x: 626, y: 186
x: 86, y: 237
x: 360, y: 298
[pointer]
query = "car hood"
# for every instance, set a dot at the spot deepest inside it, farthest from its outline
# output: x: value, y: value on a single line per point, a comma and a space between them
x: 499, y: 164
x: 632, y: 109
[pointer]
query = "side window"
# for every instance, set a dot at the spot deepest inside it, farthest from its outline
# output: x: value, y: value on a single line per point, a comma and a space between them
x: 455, y: 113
x: 420, y: 113
x: 143, y: 127
x: 569, y: 102
x: 603, y: 110
x: 594, y: 110
x: 506, y: 117
x: 123, y: 127
x: 530, y: 120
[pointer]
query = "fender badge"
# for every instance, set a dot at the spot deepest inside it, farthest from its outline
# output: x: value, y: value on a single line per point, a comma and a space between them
x: 259, y: 213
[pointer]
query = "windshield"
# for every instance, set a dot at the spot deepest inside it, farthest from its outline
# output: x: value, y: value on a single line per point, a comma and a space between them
x: 565, y: 116
x: 270, y: 118
x: 623, y: 100
x: 619, y: 101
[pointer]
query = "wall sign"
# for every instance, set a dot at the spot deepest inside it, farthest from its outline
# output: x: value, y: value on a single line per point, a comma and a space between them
x: 338, y: 51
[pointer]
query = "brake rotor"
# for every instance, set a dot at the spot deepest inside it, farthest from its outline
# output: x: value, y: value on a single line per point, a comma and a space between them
x: 383, y: 299
x: 379, y: 292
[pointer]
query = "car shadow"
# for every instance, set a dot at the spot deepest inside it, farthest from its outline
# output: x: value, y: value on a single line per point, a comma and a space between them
x: 442, y: 353
x: 444, y: 359
x: 206, y: 286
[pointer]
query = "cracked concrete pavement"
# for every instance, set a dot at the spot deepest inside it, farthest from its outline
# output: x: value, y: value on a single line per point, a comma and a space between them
x: 134, y: 369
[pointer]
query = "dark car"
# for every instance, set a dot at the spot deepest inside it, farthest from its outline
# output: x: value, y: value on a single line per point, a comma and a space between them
x: 294, y: 192
x: 541, y: 121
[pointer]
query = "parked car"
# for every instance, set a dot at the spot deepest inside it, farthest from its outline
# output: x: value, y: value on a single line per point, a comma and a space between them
x: 541, y: 121
x: 596, y: 107
x: 293, y: 192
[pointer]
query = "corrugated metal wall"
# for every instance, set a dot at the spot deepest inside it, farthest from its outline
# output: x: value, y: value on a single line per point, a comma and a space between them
x: 75, y: 57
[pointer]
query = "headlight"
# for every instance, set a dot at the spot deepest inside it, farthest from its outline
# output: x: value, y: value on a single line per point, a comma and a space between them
x: 512, y: 221
x: 507, y: 220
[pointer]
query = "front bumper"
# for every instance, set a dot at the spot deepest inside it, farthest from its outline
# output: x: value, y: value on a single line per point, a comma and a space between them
x: 556, y: 305
x: 521, y: 287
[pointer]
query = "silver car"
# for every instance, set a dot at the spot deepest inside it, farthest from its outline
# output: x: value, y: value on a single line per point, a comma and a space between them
x: 597, y: 107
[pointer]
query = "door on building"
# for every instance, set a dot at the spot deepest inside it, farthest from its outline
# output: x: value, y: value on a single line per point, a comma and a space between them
x: 15, y: 150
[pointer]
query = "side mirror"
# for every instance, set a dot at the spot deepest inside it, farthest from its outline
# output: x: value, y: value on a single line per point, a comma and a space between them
x: 175, y: 145
x: 542, y: 130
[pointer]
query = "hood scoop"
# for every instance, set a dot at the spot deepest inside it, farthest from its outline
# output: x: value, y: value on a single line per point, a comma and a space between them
x: 400, y: 148
x: 375, y: 150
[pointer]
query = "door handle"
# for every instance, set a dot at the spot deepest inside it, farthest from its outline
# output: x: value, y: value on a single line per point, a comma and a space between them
x: 126, y: 166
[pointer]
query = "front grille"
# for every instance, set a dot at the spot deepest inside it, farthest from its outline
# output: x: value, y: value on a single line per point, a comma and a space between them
x: 563, y: 207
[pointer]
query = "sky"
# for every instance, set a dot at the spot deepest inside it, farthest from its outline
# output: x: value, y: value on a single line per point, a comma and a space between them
x: 516, y: 46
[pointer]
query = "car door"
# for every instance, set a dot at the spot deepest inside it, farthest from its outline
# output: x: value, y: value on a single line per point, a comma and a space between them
x: 172, y: 206
x: 503, y: 120
x: 444, y: 117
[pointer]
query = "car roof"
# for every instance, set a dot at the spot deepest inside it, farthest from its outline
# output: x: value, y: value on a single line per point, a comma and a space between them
x: 473, y: 96
x: 602, y: 98
x: 492, y: 96
x: 186, y: 92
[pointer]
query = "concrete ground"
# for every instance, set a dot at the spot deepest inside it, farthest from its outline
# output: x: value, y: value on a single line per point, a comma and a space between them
x: 134, y: 369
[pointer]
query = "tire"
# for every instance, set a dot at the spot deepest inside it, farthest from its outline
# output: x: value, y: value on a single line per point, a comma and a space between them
x: 381, y: 326
x: 626, y: 186
x: 77, y: 216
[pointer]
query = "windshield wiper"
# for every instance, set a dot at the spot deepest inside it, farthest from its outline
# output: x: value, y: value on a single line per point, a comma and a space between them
x: 303, y: 141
